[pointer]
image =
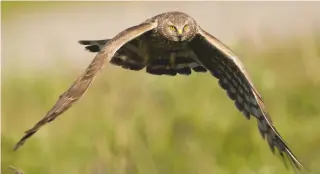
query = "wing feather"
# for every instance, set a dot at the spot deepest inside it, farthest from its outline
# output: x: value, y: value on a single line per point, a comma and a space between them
x: 225, y: 66
x: 80, y: 86
x: 94, y: 45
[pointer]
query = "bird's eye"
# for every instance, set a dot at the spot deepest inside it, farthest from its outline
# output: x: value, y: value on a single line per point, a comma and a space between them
x: 173, y: 28
x: 186, y: 27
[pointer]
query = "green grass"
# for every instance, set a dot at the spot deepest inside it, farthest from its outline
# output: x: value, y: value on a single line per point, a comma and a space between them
x: 133, y: 122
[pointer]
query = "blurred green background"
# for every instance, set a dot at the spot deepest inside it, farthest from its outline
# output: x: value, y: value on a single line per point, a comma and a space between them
x: 133, y: 122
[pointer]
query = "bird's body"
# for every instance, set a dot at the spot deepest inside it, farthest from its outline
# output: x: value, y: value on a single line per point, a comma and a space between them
x: 173, y: 43
x: 160, y: 56
x: 155, y: 51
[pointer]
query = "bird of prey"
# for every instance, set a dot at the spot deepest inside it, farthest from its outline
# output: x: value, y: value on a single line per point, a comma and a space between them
x: 168, y: 44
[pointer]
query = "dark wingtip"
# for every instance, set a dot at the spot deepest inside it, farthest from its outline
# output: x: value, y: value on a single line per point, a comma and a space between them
x: 93, y: 48
x: 24, y: 138
x: 16, y: 147
x: 90, y: 42
x: 84, y: 42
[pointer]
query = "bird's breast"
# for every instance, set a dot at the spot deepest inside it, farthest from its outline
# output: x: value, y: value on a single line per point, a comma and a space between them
x: 161, y: 44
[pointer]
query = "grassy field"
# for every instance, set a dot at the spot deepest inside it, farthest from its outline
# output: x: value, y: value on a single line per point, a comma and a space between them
x: 133, y: 122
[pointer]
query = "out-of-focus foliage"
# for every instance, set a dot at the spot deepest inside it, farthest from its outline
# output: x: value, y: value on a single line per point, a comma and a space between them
x: 133, y: 122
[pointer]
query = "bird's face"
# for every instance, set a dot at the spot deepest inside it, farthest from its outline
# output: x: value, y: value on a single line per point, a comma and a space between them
x: 179, y: 30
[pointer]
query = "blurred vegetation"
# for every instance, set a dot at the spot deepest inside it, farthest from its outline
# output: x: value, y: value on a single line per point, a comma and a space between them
x: 133, y: 122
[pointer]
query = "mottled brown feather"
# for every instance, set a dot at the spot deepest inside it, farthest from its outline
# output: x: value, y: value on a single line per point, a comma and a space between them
x: 80, y: 86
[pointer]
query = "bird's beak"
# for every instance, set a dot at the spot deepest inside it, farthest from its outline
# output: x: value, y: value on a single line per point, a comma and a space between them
x: 180, y: 34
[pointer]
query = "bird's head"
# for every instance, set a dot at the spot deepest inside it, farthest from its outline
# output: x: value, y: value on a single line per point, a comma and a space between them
x: 178, y: 27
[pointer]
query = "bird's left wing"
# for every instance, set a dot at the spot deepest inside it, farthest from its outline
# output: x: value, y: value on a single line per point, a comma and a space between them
x: 225, y: 66
x: 79, y: 87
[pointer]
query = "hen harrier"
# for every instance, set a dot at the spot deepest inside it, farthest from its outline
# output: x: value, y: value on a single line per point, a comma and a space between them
x: 172, y: 43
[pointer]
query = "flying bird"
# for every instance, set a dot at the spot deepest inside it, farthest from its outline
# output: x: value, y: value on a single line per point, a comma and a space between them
x: 169, y: 44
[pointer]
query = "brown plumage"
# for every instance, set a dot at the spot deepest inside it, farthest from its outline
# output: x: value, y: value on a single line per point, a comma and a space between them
x: 172, y: 43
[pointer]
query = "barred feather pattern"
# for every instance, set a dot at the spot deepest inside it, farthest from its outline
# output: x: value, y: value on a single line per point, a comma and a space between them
x: 131, y: 57
x: 226, y: 67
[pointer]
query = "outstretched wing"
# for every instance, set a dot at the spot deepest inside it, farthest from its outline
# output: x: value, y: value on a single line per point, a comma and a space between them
x: 225, y: 66
x: 79, y: 87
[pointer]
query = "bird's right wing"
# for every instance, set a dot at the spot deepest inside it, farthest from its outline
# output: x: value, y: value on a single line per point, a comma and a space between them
x: 79, y: 87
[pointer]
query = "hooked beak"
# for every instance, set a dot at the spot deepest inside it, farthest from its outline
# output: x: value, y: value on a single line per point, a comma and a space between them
x: 180, y: 34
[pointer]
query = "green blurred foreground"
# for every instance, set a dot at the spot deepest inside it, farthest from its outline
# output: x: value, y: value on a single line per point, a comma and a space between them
x: 133, y: 122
